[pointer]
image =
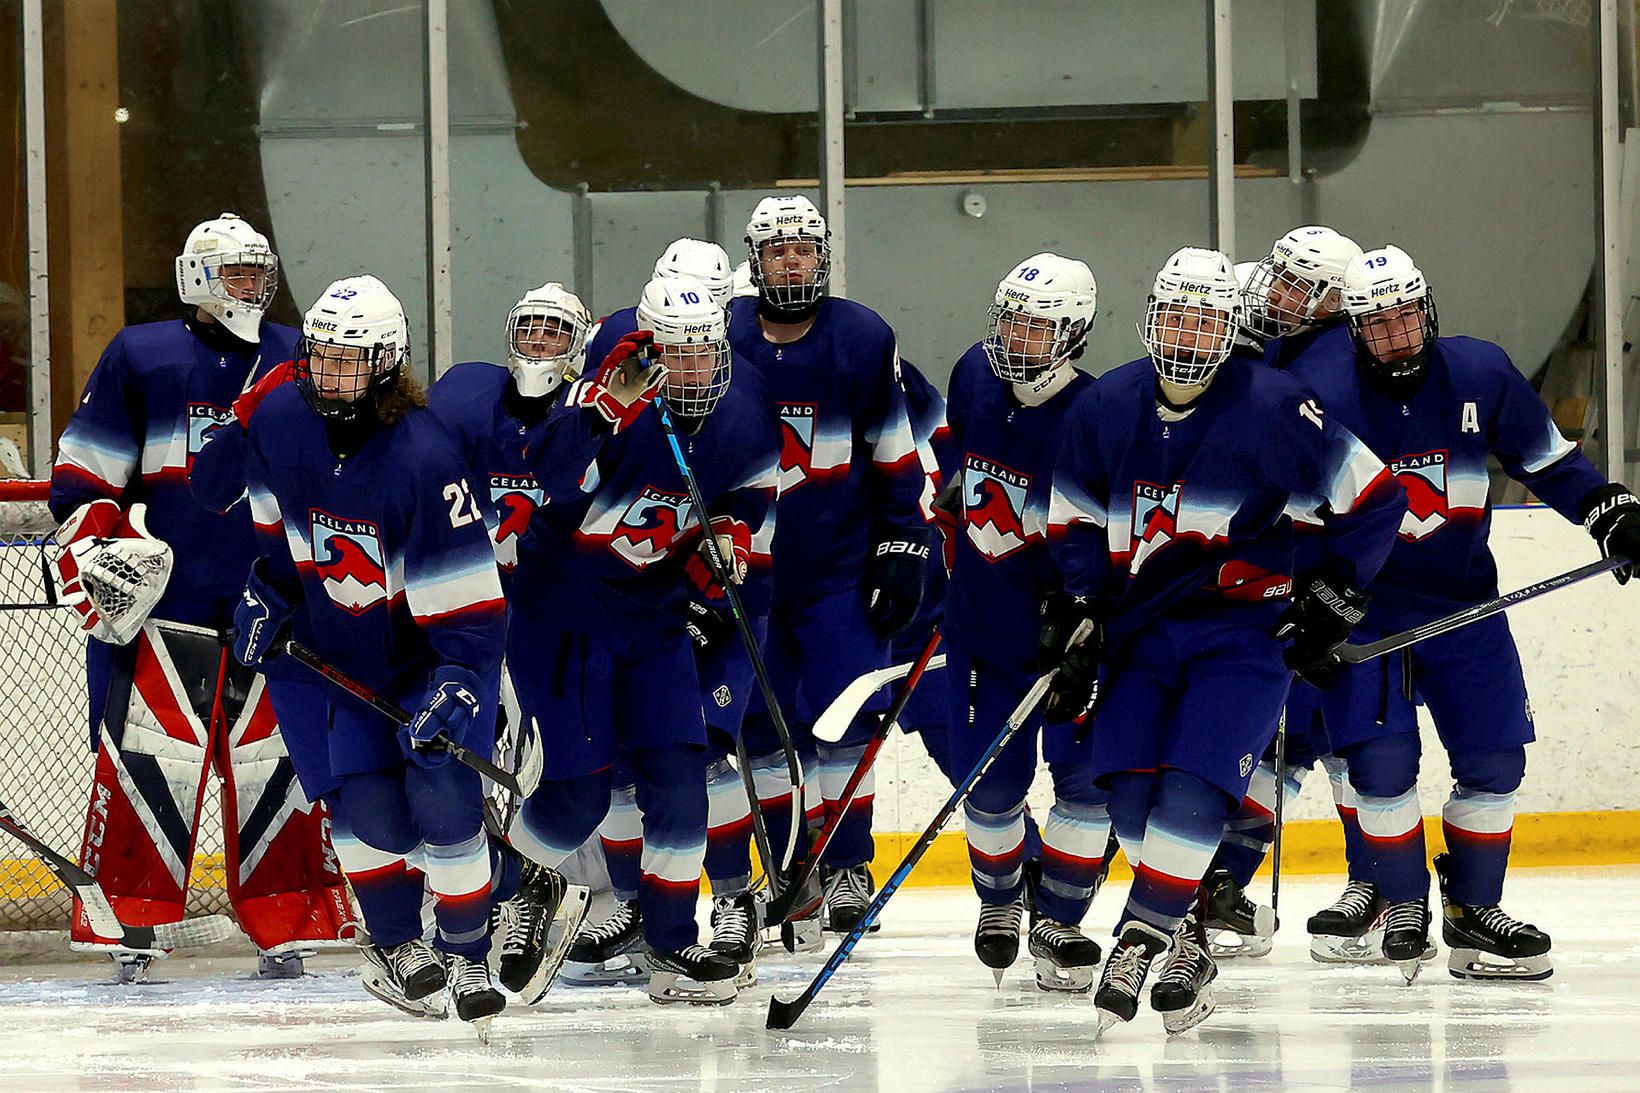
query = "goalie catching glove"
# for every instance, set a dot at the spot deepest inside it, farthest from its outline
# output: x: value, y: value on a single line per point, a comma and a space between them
x: 109, y: 569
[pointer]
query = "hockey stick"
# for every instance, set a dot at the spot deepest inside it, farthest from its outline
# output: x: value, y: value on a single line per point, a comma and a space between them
x: 207, y: 930
x: 1356, y: 654
x: 780, y: 909
x: 303, y: 655
x: 1281, y: 800
x: 832, y: 724
x: 720, y: 573
x: 783, y: 1014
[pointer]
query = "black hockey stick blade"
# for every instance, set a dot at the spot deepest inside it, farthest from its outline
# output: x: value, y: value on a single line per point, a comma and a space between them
x: 783, y: 1015
x: 1356, y: 654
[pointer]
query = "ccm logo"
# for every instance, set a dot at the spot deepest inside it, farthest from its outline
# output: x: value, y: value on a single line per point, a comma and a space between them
x: 900, y: 546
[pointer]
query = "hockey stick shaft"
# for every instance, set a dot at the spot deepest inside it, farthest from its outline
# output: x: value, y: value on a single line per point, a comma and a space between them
x: 1281, y: 800
x: 783, y: 1014
x: 780, y: 909
x: 394, y: 712
x: 720, y: 573
x: 1356, y: 654
x: 833, y: 723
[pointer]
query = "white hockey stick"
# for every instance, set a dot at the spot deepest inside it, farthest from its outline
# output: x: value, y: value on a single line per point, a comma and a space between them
x: 846, y: 707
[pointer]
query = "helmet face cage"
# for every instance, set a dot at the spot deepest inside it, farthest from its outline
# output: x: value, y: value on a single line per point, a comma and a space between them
x: 1187, y: 341
x: 337, y: 380
x: 1278, y: 300
x: 1022, y: 346
x: 777, y: 268
x: 1398, y: 332
x: 534, y: 329
x: 695, y: 375
x: 245, y: 279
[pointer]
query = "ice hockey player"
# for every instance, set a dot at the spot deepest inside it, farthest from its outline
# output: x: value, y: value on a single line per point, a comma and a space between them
x: 370, y: 530
x: 488, y: 411
x: 607, y: 605
x: 853, y: 537
x: 1434, y: 408
x: 159, y: 390
x: 1168, y: 519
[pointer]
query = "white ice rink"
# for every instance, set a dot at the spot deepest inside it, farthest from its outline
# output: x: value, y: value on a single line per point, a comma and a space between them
x: 912, y: 1011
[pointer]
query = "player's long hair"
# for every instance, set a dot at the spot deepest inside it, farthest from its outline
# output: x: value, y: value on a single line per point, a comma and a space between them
x: 405, y: 395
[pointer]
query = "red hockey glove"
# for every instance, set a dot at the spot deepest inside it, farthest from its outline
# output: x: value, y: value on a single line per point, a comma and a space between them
x: 625, y: 382
x: 734, y: 540
x: 244, y: 407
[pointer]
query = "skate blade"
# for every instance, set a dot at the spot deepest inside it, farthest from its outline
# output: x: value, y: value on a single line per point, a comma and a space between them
x: 1229, y: 945
x: 1368, y: 949
x: 670, y: 989
x: 747, y: 976
x: 1108, y: 1021
x: 996, y: 975
x: 428, y: 1009
x: 1480, y: 965
x: 482, y: 1026
x: 1057, y: 980
x: 1409, y: 969
x: 1182, y: 1021
x: 560, y: 936
x: 625, y: 970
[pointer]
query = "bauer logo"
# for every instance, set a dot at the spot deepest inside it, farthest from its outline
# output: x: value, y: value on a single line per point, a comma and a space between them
x: 1423, y: 476
x: 796, y: 443
x: 347, y: 555
x: 203, y: 420
x: 1246, y: 766
x: 650, y: 525
x: 515, y: 497
x: 993, y: 503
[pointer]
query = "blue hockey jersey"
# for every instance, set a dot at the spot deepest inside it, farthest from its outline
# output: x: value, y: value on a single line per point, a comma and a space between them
x: 1002, y: 569
x: 1324, y: 338
x: 937, y: 455
x: 157, y: 393
x: 1474, y: 402
x: 848, y: 464
x: 1151, y: 516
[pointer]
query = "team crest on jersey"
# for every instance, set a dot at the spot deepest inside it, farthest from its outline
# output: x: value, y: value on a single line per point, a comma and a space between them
x: 515, y: 497
x: 993, y: 501
x: 649, y: 527
x: 203, y: 420
x: 796, y: 443
x: 1155, y: 520
x: 1423, y: 476
x: 348, y: 557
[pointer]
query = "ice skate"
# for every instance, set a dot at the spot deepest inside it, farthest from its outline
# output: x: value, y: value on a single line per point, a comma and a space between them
x: 1487, y: 942
x: 1351, y: 931
x: 996, y: 937
x: 694, y: 974
x: 1066, y: 959
x: 1406, y: 936
x: 380, y: 980
x: 1235, y: 925
x: 1123, y: 977
x: 610, y: 952
x: 132, y: 967
x: 1183, y: 993
x: 418, y: 967
x: 848, y: 894
x: 477, y: 1001
x: 540, y: 925
x: 735, y: 934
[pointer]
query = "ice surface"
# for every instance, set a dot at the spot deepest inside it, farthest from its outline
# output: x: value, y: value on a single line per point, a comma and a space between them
x: 912, y: 1011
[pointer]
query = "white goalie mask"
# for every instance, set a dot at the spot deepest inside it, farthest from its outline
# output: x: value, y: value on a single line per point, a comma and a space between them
x: 706, y: 262
x: 1191, y: 316
x: 789, y: 251
x: 546, y: 337
x: 1391, y: 309
x: 1299, y: 282
x: 354, y: 342
x: 227, y: 270
x: 691, y: 342
x: 1041, y: 317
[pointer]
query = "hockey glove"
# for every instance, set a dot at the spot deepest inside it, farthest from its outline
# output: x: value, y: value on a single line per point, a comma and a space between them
x: 244, y: 407
x: 947, y: 508
x: 1612, y: 515
x: 708, y: 631
x: 1075, y: 687
x: 625, y: 382
x: 261, y: 613
x: 734, y: 539
x: 1317, y: 622
x: 894, y: 584
x: 1061, y: 614
x: 109, y: 569
x: 451, y: 708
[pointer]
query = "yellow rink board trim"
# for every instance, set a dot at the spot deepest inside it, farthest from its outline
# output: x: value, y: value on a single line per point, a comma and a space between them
x: 1307, y: 846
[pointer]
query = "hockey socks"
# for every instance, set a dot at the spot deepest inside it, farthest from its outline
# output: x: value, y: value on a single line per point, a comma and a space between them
x: 459, y: 876
x: 996, y: 852
x: 621, y: 835
x: 1073, y: 859
x: 1344, y: 799
x: 728, y: 831
x: 852, y: 844
x: 1478, y: 827
x: 1183, y: 822
x: 1392, y: 830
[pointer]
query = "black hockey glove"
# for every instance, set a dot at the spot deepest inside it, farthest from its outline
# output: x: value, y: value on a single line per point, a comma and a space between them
x: 708, y: 631
x: 1075, y: 687
x: 1318, y: 621
x: 894, y: 583
x: 1061, y: 613
x: 1612, y: 515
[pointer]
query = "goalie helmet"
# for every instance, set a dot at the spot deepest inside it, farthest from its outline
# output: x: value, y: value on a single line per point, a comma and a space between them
x: 789, y: 251
x: 227, y: 270
x: 1041, y: 317
x: 354, y: 344
x: 1391, y: 313
x: 1299, y: 282
x: 1191, y: 316
x: 706, y: 262
x: 546, y: 336
x: 692, y: 343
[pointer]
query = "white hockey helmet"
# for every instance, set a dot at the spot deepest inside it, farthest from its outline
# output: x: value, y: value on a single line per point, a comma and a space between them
x: 227, y: 270
x: 546, y: 319
x: 692, y: 336
x: 354, y: 343
x: 706, y: 262
x: 1299, y: 281
x: 743, y: 280
x: 1041, y: 317
x: 1390, y: 307
x: 1191, y: 316
x: 794, y: 278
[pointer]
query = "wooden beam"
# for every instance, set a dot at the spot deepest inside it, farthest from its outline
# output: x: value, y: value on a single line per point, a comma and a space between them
x: 1153, y: 173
